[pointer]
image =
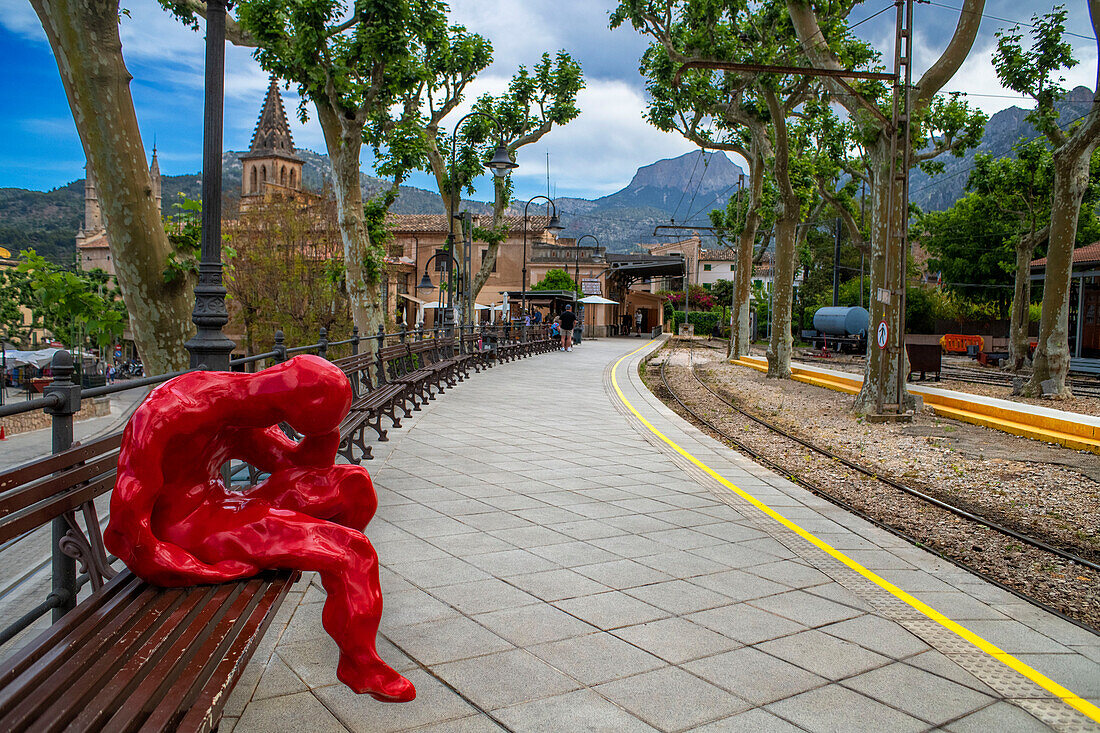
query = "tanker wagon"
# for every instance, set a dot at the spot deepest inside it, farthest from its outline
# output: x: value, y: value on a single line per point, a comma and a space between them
x: 840, y: 328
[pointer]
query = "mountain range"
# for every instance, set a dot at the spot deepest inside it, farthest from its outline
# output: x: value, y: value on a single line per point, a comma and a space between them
x: 673, y: 191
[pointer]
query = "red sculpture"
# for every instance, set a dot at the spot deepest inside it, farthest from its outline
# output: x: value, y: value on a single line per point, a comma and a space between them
x: 174, y: 522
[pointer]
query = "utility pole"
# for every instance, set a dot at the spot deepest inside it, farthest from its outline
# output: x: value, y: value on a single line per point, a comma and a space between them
x: 836, y: 266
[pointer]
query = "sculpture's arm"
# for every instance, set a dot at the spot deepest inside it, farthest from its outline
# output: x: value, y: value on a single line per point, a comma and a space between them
x: 269, y: 449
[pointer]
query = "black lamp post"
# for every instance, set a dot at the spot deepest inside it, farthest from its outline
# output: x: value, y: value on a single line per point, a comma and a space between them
x: 501, y: 164
x: 426, y: 281
x: 579, y: 240
x: 209, y: 346
x: 554, y: 226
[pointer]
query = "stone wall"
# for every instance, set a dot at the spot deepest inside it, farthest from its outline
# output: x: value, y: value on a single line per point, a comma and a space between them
x: 37, y: 419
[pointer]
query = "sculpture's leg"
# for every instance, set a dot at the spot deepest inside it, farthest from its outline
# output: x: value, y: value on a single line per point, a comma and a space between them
x: 278, y: 538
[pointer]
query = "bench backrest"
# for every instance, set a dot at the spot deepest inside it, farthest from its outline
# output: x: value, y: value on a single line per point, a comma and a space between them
x: 33, y: 495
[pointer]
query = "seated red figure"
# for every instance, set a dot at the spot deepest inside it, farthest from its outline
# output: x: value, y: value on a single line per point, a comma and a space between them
x: 174, y: 523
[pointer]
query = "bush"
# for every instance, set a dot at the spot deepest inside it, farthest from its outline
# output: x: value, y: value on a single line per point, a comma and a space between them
x: 704, y: 321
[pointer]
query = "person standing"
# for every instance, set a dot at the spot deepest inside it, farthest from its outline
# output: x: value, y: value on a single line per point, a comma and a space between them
x: 638, y: 321
x: 568, y: 320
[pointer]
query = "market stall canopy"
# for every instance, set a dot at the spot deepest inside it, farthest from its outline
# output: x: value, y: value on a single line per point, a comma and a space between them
x: 598, y: 300
x: 39, y: 358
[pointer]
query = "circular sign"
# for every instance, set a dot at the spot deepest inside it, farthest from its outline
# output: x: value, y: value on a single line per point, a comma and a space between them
x: 883, y: 334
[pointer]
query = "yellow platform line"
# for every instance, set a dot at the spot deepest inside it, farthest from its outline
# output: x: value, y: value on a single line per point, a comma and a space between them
x: 1068, y: 697
x: 1076, y: 436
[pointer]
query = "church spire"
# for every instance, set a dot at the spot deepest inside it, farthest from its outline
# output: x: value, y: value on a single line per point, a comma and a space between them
x: 272, y: 134
x: 154, y: 173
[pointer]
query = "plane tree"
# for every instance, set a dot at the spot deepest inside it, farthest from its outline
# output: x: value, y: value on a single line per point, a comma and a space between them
x: 1035, y: 71
x: 938, y: 125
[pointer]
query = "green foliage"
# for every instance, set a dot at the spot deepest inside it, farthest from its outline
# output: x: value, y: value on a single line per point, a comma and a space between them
x: 73, y: 305
x: 1034, y: 71
x: 556, y: 279
x: 185, y: 234
x: 704, y: 321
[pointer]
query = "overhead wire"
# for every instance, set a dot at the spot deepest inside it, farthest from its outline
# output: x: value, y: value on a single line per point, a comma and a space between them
x: 995, y: 17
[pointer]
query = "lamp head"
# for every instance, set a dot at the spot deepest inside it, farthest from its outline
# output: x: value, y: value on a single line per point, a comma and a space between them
x: 425, y: 283
x: 555, y: 224
x: 501, y: 163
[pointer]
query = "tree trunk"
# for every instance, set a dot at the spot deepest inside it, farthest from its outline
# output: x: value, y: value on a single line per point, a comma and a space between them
x: 740, y: 338
x: 786, y: 227
x: 362, y: 261
x: 1019, y: 356
x: 885, y: 273
x: 500, y: 203
x: 84, y: 37
x: 1071, y: 173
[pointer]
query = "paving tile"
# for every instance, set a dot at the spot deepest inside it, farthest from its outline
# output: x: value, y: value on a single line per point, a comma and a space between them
x: 805, y: 608
x: 471, y: 724
x: 412, y: 607
x: 681, y: 564
x: 938, y: 664
x: 755, y: 676
x: 445, y: 571
x: 511, y: 562
x: 470, y: 543
x: 449, y: 639
x: 791, y: 574
x: 482, y: 596
x: 879, y: 635
x: 940, y: 700
x: 597, y: 658
x: 533, y: 624
x: 408, y: 550
x: 1077, y: 673
x: 678, y: 596
x: 572, y: 554
x: 739, y: 585
x: 287, y: 713
x: 823, y: 654
x: 750, y: 721
x: 676, y: 640
x: 506, y: 678
x: 836, y: 708
x: 582, y: 710
x: 434, y: 703
x: 672, y: 699
x: 610, y: 610
x: 531, y: 536
x: 744, y: 623
x: 1015, y: 638
x: 305, y: 624
x: 1000, y: 716
x: 682, y: 538
x: 622, y: 574
x: 278, y: 679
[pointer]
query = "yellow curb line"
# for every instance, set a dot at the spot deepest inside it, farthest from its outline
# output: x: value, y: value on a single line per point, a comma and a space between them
x: 1068, y: 697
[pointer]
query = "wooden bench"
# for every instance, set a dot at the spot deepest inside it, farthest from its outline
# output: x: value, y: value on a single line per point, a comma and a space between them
x: 372, y: 400
x: 130, y: 655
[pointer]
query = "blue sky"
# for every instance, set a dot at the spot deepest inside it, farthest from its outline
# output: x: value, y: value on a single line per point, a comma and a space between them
x: 593, y: 156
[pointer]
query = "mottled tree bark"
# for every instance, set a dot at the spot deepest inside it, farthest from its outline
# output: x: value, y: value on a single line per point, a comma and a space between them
x: 740, y: 338
x: 362, y: 265
x: 1071, y: 174
x: 84, y: 37
x: 788, y: 214
x: 1020, y: 320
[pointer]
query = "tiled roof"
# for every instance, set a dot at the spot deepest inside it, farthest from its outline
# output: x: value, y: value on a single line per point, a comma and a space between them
x: 1088, y: 254
x: 437, y: 223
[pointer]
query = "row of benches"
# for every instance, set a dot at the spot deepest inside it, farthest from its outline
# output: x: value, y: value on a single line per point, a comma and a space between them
x: 132, y: 655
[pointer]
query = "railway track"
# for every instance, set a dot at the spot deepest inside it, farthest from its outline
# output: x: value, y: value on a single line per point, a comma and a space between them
x: 1057, y: 578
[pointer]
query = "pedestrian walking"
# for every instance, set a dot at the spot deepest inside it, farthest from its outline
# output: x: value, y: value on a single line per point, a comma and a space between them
x: 568, y: 319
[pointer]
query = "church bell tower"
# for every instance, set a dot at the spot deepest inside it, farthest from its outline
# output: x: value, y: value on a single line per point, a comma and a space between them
x: 270, y: 165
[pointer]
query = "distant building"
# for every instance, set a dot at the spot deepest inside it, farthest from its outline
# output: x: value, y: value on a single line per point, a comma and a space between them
x: 270, y: 165
x: 93, y: 250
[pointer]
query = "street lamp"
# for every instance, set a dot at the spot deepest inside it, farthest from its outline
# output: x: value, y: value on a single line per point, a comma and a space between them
x: 426, y: 281
x: 579, y: 240
x: 501, y: 164
x: 209, y: 345
x: 554, y: 226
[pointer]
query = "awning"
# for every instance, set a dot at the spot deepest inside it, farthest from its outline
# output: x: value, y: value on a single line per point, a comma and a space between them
x: 413, y: 298
x: 598, y: 300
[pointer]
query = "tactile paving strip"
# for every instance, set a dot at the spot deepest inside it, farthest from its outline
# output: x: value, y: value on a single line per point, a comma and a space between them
x: 1012, y: 686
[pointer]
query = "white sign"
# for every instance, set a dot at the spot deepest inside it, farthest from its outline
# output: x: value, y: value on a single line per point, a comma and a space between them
x: 883, y: 334
x: 884, y: 296
x: 591, y: 286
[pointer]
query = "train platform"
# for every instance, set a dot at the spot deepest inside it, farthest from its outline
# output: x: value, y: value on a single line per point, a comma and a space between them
x: 562, y: 552
x: 1070, y: 429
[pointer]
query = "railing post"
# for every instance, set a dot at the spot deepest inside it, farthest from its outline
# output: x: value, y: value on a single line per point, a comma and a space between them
x: 420, y: 331
x: 322, y: 343
x: 280, y: 346
x: 64, y: 567
x: 355, y: 340
x: 381, y: 365
x: 402, y: 334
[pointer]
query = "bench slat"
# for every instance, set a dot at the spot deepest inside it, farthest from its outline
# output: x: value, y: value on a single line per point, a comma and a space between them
x: 31, y: 493
x: 42, y: 512
x: 58, y: 462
